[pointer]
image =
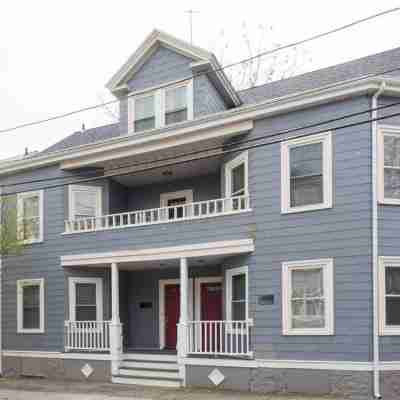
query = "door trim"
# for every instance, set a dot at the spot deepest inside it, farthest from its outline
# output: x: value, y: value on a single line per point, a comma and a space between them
x: 161, y: 305
x: 164, y: 197
x: 198, y: 282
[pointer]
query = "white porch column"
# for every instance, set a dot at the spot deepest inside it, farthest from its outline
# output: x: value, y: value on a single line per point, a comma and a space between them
x: 115, y: 325
x: 184, y: 302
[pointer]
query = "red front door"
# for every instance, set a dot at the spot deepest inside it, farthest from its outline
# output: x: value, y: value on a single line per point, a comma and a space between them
x: 211, y: 310
x: 172, y: 306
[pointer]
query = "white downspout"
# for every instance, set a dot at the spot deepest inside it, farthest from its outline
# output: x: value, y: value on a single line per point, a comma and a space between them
x: 375, y: 270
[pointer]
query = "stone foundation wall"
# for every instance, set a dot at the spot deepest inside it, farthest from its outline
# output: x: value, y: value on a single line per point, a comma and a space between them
x: 56, y: 368
x: 353, y: 385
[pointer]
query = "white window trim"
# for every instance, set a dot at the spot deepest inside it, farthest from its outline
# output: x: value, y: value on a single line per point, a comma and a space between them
x: 161, y: 305
x: 20, y: 285
x: 385, y: 330
x: 20, y: 198
x: 72, y: 296
x: 98, y: 190
x: 159, y: 105
x: 327, y: 171
x: 164, y: 197
x: 230, y: 165
x: 382, y: 131
x: 328, y: 280
x: 229, y: 274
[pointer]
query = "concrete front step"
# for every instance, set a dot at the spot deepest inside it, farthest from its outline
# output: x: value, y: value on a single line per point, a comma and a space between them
x: 149, y: 373
x: 134, y: 364
x: 140, y: 381
x: 150, y: 357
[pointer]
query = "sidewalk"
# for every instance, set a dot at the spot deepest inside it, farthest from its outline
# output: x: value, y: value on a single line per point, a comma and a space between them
x: 42, y: 389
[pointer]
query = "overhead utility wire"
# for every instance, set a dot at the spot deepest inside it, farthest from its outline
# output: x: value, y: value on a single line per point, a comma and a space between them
x: 209, y: 70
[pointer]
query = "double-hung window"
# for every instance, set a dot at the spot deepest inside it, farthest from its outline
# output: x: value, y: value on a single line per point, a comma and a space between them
x: 30, y: 306
x: 306, y: 173
x: 307, y: 297
x: 30, y: 216
x: 160, y: 107
x: 389, y: 161
x: 237, y: 301
x: 389, y: 295
x: 86, y: 299
x: 236, y: 180
x: 84, y: 202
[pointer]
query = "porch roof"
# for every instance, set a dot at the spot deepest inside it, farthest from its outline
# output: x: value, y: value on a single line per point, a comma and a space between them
x: 209, y: 249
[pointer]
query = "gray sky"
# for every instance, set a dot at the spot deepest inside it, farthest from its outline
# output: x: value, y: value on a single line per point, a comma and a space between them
x: 56, y: 56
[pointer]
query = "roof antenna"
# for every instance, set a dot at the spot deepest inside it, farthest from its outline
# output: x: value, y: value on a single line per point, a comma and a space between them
x: 26, y: 152
x: 190, y: 13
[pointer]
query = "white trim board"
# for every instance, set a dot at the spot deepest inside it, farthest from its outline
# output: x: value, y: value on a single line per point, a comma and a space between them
x: 161, y: 305
x: 56, y: 355
x: 264, y: 108
x: 229, y: 247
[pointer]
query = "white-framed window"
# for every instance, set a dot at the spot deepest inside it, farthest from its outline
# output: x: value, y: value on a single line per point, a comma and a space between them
x: 177, y: 200
x: 236, y: 175
x: 84, y: 201
x: 307, y: 297
x: 30, y: 216
x: 85, y: 299
x: 160, y: 107
x: 30, y: 306
x: 389, y: 165
x: 237, y: 294
x: 389, y: 295
x: 306, y: 173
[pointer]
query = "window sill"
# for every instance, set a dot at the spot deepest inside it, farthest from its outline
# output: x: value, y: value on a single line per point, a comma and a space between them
x: 308, y: 332
x: 390, y: 331
x: 32, y: 241
x: 390, y: 202
x: 31, y: 331
x: 314, y: 207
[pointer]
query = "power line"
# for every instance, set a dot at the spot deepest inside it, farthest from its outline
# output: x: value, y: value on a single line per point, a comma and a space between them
x: 207, y: 71
x: 222, y: 152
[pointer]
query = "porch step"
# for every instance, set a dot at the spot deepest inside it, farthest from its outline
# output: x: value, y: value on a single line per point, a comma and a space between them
x: 149, y: 373
x: 150, y: 357
x: 145, y: 381
x: 155, y: 366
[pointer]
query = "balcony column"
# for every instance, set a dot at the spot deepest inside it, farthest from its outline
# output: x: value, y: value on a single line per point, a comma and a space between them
x: 115, y: 325
x: 184, y: 317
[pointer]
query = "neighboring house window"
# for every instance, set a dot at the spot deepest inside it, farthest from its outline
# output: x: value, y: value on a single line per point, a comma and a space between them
x: 389, y: 288
x: 176, y: 200
x: 86, y: 299
x: 389, y: 161
x: 84, y: 202
x: 160, y: 107
x: 30, y: 216
x: 306, y: 173
x: 307, y: 297
x: 145, y: 113
x: 237, y: 296
x: 30, y: 305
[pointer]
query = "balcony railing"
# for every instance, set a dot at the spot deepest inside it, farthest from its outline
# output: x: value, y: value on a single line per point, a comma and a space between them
x: 87, y: 335
x: 184, y: 212
x: 225, y: 338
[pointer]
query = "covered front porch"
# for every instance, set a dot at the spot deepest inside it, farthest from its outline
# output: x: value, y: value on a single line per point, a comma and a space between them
x: 190, y: 300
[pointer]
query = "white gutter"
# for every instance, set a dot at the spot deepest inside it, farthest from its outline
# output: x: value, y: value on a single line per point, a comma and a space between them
x: 375, y: 265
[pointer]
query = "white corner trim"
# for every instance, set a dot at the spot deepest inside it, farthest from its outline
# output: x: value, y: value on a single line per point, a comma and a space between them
x: 230, y: 165
x: 20, y: 287
x: 327, y: 172
x: 72, y: 281
x: 229, y: 274
x: 97, y: 190
x: 385, y: 330
x: 197, y: 292
x: 20, y: 213
x: 165, y: 197
x: 383, y: 130
x: 328, y: 282
x: 162, y: 283
x: 229, y: 247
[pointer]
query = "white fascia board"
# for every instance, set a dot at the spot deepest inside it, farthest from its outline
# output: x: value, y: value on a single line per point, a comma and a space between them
x: 229, y: 247
x: 259, y: 110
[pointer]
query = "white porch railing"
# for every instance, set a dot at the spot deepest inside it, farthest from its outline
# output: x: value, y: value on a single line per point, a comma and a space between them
x: 201, y: 209
x: 227, y: 338
x: 87, y: 335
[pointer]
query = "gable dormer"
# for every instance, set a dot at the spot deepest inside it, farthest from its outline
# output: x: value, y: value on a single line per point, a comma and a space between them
x: 168, y: 81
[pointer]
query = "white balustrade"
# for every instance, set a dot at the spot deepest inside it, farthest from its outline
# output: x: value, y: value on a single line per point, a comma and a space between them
x: 226, y: 338
x: 190, y: 211
x: 87, y: 335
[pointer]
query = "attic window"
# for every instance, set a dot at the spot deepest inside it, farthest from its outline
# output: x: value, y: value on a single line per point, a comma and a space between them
x: 161, y: 107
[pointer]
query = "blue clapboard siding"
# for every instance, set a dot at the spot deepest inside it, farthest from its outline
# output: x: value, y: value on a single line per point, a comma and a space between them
x: 389, y: 232
x: 166, y: 65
